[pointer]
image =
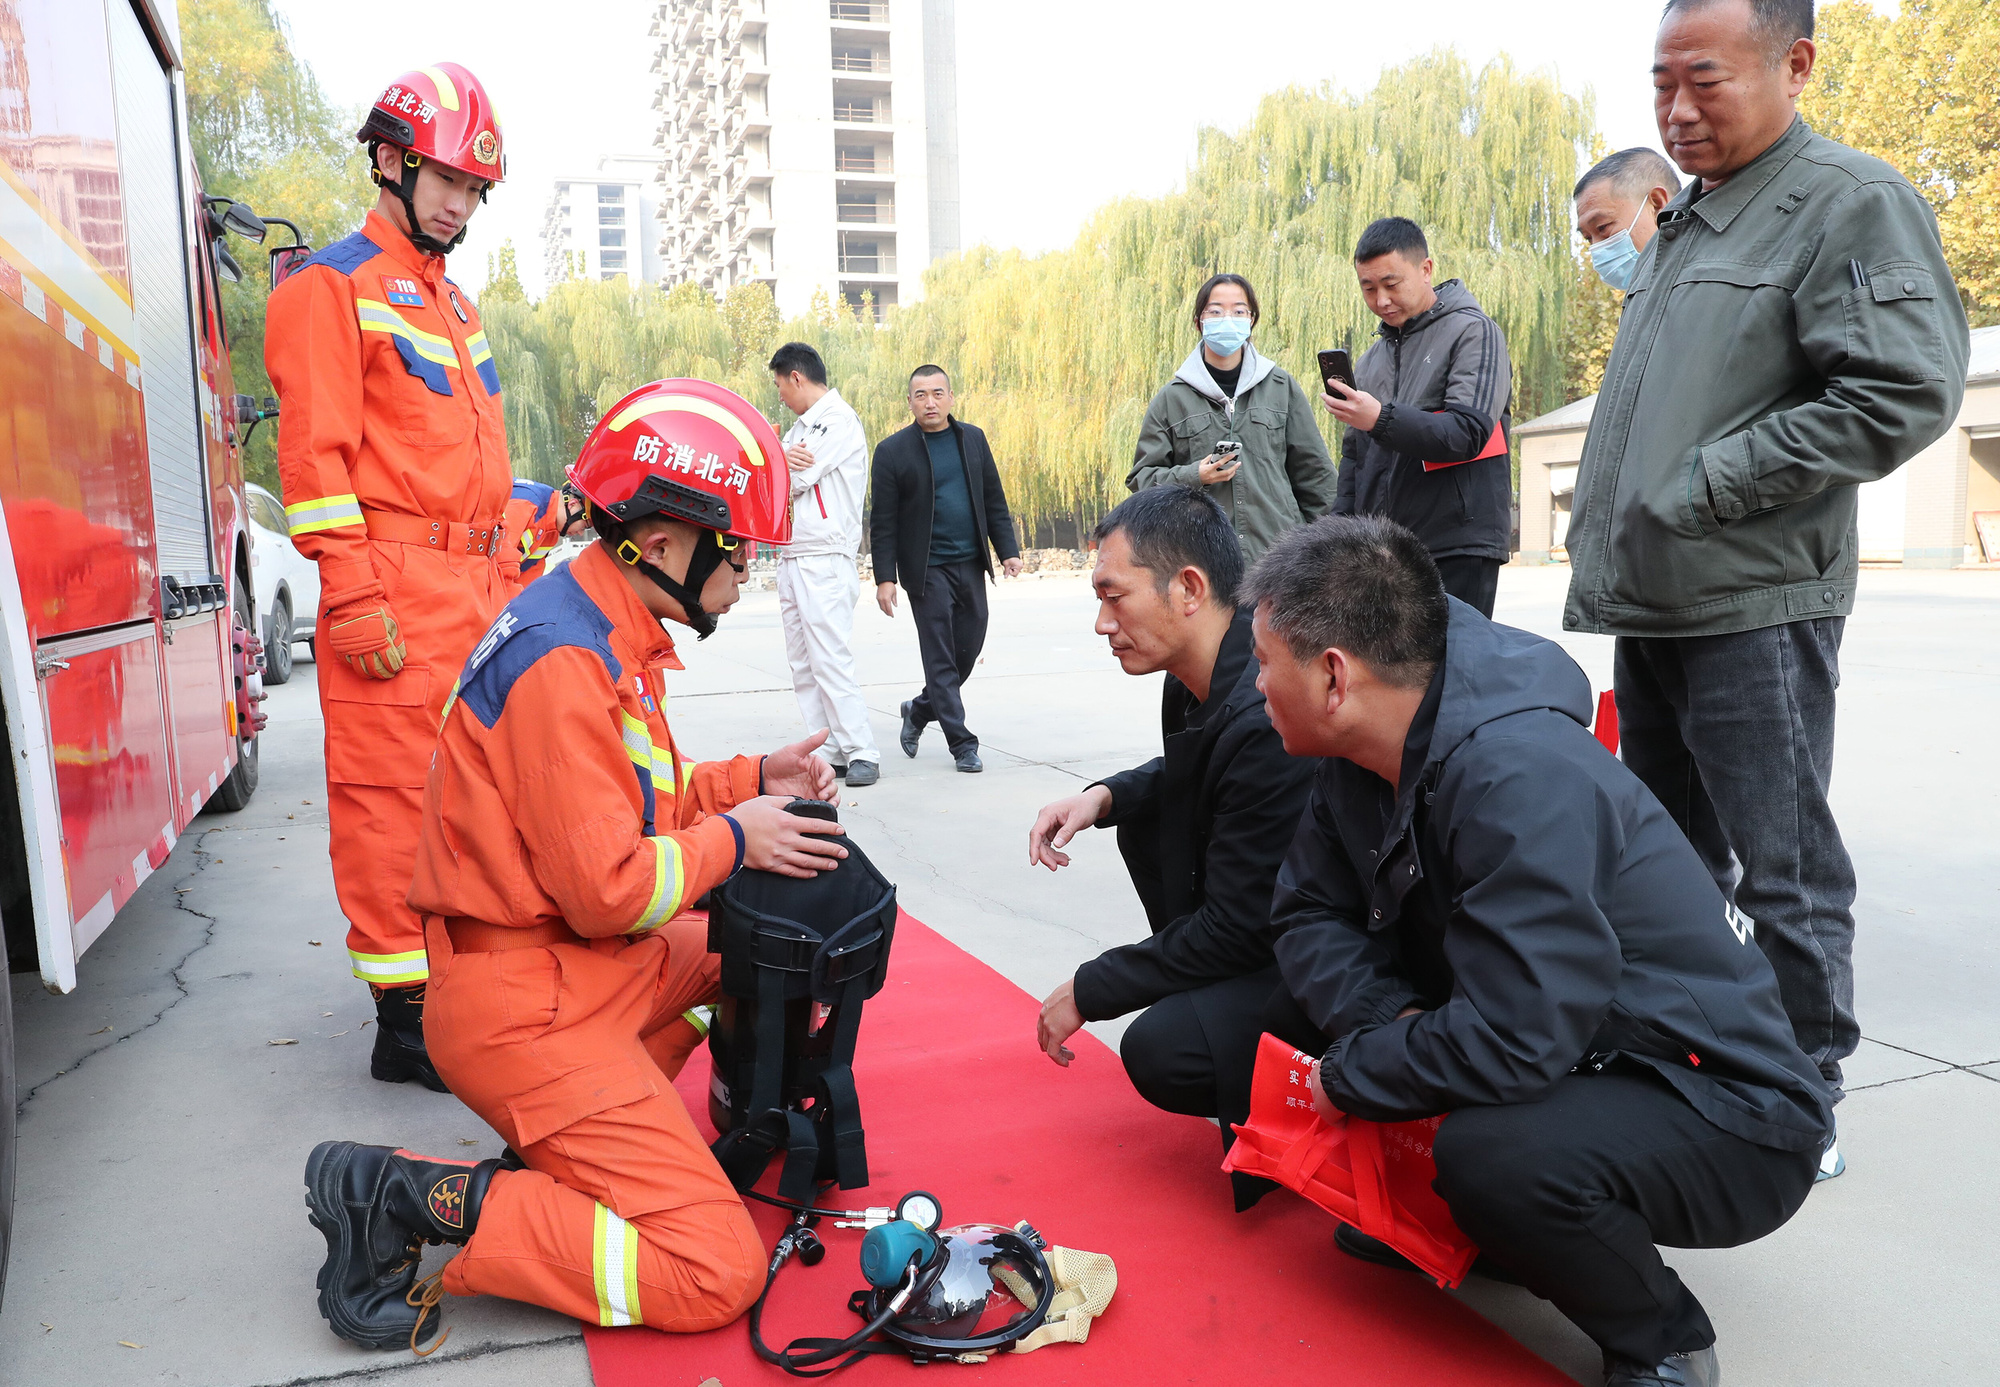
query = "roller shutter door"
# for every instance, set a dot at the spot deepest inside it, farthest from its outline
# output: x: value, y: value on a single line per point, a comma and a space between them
x: 150, y: 168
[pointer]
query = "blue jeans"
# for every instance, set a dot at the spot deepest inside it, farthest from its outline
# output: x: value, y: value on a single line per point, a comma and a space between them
x: 1734, y: 734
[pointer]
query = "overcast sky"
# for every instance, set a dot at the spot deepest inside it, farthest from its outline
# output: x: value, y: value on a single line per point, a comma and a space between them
x: 1063, y: 104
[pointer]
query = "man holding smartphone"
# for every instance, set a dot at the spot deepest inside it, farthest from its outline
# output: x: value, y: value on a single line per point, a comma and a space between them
x: 1428, y: 415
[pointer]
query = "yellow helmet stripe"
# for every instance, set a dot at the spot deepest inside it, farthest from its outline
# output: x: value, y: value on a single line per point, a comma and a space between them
x: 447, y: 91
x: 691, y: 404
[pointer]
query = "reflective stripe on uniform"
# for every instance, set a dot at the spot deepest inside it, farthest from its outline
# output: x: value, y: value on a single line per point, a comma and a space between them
x: 327, y: 513
x: 387, y: 970
x: 482, y: 362
x: 639, y: 747
x: 699, y: 1018
x: 669, y: 882
x: 377, y: 316
x: 614, y: 1265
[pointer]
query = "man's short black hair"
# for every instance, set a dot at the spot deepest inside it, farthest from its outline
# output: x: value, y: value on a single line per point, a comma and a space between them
x: 1214, y: 282
x: 1392, y: 236
x: 1633, y: 172
x: 800, y: 357
x: 930, y: 369
x: 1777, y: 24
x: 1360, y: 583
x: 1174, y: 527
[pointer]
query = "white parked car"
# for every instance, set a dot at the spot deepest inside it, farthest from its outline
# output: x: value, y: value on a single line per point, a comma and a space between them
x: 286, y: 583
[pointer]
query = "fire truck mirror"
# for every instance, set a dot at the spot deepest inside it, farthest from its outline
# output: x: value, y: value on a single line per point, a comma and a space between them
x: 245, y: 223
x: 226, y: 265
x: 286, y: 259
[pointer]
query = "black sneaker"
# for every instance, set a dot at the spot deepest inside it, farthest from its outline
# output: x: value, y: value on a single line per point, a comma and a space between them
x: 968, y: 760
x: 912, y: 730
x: 862, y: 773
x: 399, y: 1054
x: 1697, y: 1369
x: 376, y: 1207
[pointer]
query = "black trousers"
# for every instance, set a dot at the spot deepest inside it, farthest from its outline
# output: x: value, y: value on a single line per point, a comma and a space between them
x: 1194, y: 1052
x: 950, y: 613
x: 1472, y: 580
x: 1572, y: 1193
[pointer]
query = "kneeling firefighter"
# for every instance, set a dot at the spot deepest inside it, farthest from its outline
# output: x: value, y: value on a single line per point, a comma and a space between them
x: 564, y: 835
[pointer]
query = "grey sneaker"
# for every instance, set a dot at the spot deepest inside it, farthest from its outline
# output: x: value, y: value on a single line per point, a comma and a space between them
x: 860, y: 773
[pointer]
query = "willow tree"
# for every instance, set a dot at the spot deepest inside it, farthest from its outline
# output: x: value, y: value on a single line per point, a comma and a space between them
x: 1057, y: 355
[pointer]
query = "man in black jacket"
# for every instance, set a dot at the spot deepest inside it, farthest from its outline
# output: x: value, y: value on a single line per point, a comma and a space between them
x: 1426, y: 440
x: 937, y: 506
x: 1488, y: 916
x: 1201, y: 827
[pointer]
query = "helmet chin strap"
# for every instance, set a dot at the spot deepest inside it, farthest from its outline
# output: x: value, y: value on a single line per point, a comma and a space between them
x: 709, y: 555
x: 405, y: 190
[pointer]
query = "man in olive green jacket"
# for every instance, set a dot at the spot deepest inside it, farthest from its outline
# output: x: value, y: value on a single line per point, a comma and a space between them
x: 1791, y: 332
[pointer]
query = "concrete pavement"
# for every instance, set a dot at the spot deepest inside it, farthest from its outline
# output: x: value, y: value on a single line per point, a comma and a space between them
x: 163, y: 1134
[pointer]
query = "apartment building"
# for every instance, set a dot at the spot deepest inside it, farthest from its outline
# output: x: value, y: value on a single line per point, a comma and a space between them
x: 810, y: 144
x: 610, y: 216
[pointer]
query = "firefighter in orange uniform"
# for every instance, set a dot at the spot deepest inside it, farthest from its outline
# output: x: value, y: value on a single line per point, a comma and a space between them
x: 393, y: 452
x: 564, y: 837
x: 534, y: 521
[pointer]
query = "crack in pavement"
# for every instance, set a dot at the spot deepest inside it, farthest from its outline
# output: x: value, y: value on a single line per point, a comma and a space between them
x: 1944, y: 1066
x: 173, y: 975
x: 378, y: 1372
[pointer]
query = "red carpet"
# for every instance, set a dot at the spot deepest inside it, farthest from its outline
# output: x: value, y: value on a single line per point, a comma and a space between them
x: 958, y: 1101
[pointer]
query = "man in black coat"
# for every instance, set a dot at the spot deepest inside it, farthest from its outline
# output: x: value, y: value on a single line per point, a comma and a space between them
x: 1488, y: 916
x: 937, y: 505
x: 1202, y: 827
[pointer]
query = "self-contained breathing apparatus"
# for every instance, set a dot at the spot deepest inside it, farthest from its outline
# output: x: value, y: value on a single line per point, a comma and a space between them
x: 799, y: 957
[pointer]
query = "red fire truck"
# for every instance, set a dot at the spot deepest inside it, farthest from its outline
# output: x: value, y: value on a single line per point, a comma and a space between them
x: 128, y: 664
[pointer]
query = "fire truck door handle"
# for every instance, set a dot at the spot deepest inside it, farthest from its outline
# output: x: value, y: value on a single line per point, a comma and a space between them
x: 47, y: 663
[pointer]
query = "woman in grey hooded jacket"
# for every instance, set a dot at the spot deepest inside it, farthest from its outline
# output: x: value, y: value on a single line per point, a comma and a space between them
x: 1280, y: 475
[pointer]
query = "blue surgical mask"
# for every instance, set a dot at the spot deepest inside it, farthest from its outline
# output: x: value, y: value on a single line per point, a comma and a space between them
x: 1225, y: 336
x: 1616, y: 257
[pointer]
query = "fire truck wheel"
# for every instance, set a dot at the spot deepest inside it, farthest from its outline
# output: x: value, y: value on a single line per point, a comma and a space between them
x: 6, y: 1117
x: 235, y: 792
x: 278, y: 649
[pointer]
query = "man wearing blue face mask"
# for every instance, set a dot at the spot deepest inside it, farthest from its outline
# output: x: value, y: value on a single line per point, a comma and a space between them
x: 1618, y: 206
x: 1236, y: 425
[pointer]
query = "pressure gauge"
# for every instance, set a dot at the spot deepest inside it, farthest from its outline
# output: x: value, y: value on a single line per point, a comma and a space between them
x: 921, y: 1208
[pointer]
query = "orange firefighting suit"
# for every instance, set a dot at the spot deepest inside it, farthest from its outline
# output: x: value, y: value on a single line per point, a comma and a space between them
x: 533, y: 518
x: 393, y: 453
x: 563, y: 838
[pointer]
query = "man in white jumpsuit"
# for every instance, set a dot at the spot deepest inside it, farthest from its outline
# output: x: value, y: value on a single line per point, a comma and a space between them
x: 818, y: 580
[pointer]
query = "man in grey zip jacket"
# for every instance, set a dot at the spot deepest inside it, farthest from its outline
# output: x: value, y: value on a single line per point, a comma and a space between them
x: 1791, y: 331
x: 1284, y: 478
x: 1420, y: 444
x: 1485, y: 915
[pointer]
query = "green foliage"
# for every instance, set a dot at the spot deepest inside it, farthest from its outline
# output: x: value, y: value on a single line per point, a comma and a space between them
x: 503, y: 277
x: 265, y: 134
x: 1057, y: 355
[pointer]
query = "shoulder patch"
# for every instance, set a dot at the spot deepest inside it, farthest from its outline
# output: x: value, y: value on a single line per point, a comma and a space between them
x: 346, y: 255
x: 549, y: 615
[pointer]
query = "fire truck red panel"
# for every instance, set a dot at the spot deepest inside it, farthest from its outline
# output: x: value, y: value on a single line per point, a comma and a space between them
x: 107, y: 726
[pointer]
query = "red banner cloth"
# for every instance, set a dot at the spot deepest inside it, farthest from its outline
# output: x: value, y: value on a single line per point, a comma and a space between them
x: 1374, y: 1175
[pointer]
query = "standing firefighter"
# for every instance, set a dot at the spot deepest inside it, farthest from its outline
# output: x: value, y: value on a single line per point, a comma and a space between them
x: 394, y: 459
x: 564, y: 837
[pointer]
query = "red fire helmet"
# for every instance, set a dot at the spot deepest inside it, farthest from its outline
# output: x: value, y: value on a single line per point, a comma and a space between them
x: 440, y: 113
x: 692, y: 450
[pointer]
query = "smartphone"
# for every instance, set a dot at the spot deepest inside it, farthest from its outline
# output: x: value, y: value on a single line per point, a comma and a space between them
x: 1228, y: 448
x: 1334, y: 365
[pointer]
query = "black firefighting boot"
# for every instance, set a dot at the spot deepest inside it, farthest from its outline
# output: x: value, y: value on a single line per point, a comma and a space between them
x: 376, y: 1207
x: 399, y: 1038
